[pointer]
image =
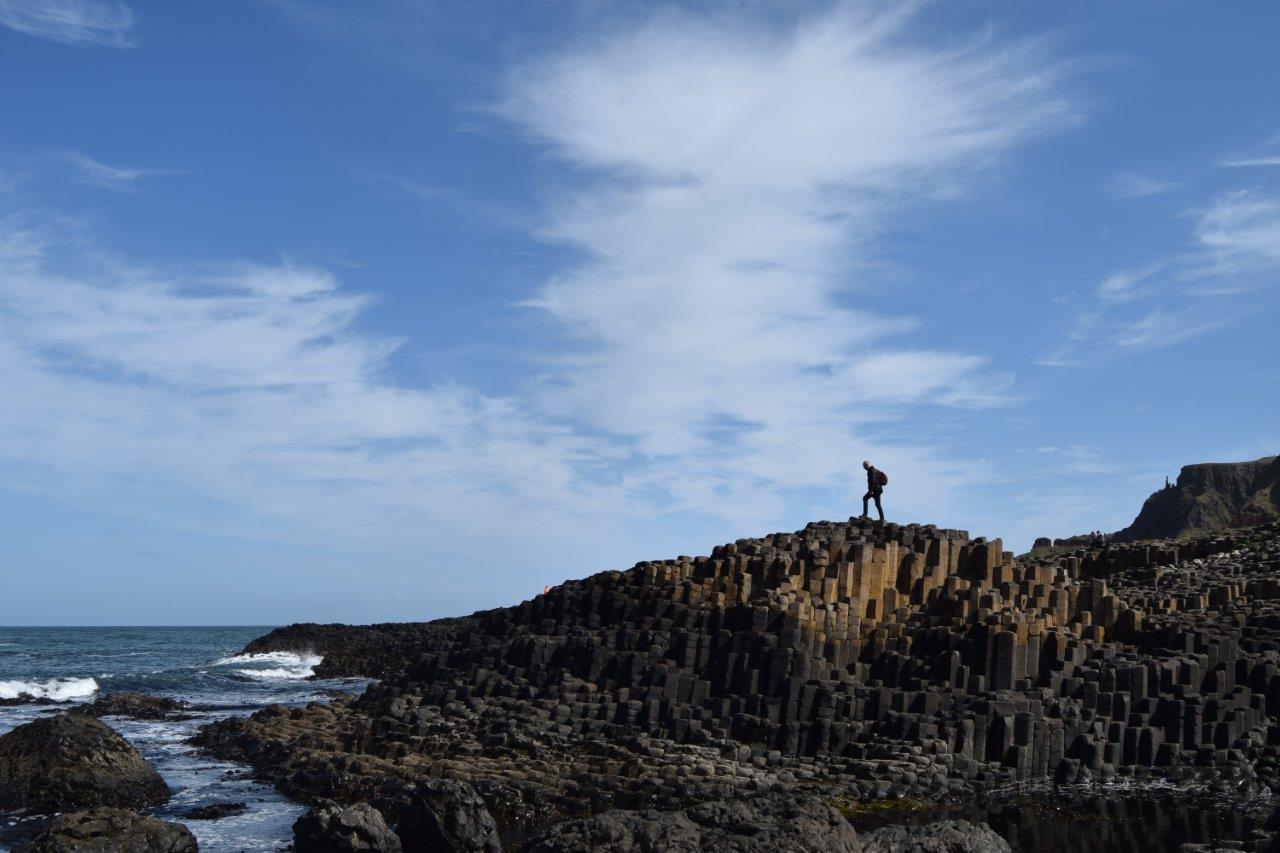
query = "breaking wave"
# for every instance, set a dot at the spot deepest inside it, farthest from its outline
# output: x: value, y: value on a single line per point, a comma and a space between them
x: 60, y: 689
x: 267, y: 665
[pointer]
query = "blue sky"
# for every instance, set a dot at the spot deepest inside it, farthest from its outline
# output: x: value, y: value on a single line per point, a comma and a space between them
x: 393, y: 310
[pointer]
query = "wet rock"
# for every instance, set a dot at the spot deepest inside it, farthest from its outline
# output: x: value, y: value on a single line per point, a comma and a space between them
x: 109, y: 830
x: 29, y: 699
x: 764, y: 824
x: 948, y: 836
x: 446, y: 815
x: 74, y: 761
x: 135, y: 706
x: 215, y: 811
x: 331, y: 828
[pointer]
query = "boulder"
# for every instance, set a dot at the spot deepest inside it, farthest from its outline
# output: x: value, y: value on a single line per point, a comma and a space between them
x: 331, y: 828
x: 446, y: 815
x: 765, y: 823
x: 73, y: 761
x: 109, y: 830
x: 948, y: 836
x: 136, y: 706
x: 214, y: 811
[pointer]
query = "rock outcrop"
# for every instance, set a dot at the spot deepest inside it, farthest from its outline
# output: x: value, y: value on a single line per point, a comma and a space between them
x: 370, y: 651
x: 108, y: 830
x: 74, y: 761
x: 761, y: 824
x: 135, y: 706
x: 330, y: 828
x: 950, y: 836
x: 1210, y: 497
x: 850, y: 661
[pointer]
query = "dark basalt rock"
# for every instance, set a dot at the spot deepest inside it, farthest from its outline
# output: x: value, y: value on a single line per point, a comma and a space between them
x: 29, y: 699
x: 765, y: 824
x: 853, y: 661
x: 446, y: 815
x: 135, y: 706
x: 74, y: 761
x: 108, y: 830
x: 215, y: 811
x: 330, y: 828
x: 368, y: 651
x: 949, y: 836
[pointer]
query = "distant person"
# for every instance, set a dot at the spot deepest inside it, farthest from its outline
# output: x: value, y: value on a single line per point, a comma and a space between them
x: 876, y: 481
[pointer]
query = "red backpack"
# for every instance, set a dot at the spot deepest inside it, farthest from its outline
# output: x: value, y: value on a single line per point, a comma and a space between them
x: 882, y: 477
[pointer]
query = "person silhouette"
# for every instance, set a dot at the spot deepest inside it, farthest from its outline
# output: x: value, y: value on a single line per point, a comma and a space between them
x: 875, y: 487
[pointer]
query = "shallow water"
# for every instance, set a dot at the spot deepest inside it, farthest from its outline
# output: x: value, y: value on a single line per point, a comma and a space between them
x: 198, y: 665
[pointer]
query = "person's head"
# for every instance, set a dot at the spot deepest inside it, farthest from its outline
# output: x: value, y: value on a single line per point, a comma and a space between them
x: 866, y: 464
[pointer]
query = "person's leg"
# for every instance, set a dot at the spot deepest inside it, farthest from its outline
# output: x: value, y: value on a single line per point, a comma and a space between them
x: 879, y: 508
x: 865, y: 498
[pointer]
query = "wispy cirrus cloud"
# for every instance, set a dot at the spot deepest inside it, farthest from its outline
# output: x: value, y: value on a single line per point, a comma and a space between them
x: 1131, y: 185
x: 735, y: 180
x: 1267, y: 154
x: 1126, y: 285
x: 116, y: 177
x: 249, y: 397
x: 1233, y: 250
x: 76, y: 22
x: 725, y: 186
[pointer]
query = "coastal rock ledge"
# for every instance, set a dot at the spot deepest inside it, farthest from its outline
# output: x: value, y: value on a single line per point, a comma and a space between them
x: 852, y: 664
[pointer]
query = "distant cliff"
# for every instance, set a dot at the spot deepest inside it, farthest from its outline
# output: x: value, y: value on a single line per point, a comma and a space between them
x: 1210, y: 496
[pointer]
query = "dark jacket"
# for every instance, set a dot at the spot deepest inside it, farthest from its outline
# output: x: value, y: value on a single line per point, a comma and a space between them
x: 873, y: 480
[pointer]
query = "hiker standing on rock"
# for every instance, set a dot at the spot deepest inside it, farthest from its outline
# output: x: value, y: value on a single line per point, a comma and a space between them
x: 876, y: 481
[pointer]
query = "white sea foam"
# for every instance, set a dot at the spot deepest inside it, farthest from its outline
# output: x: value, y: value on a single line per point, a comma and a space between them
x: 60, y: 689
x: 285, y: 664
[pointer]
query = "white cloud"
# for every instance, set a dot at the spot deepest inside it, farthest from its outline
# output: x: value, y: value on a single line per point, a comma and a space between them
x: 1159, y: 327
x: 735, y: 179
x: 1238, y: 235
x: 1234, y: 250
x: 1123, y: 286
x: 78, y: 22
x: 1267, y: 155
x: 715, y: 360
x: 114, y: 177
x: 1131, y: 185
x: 253, y: 391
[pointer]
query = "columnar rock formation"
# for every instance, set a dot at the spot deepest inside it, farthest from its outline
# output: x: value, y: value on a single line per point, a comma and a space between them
x: 856, y: 659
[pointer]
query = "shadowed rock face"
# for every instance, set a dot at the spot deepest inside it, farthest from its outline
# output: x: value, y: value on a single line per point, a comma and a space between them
x: 74, y: 761
x: 330, y: 828
x: 951, y: 836
x: 370, y: 651
x: 762, y: 824
x: 111, y: 831
x: 1210, y: 497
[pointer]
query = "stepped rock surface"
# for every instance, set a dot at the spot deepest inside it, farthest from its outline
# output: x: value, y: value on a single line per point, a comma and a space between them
x: 846, y: 663
x: 1210, y: 497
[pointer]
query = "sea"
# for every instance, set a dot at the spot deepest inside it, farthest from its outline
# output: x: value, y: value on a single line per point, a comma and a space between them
x: 199, y: 665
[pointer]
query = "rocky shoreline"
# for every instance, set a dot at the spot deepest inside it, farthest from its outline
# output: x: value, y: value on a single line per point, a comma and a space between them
x: 848, y: 665
x: 849, y: 686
